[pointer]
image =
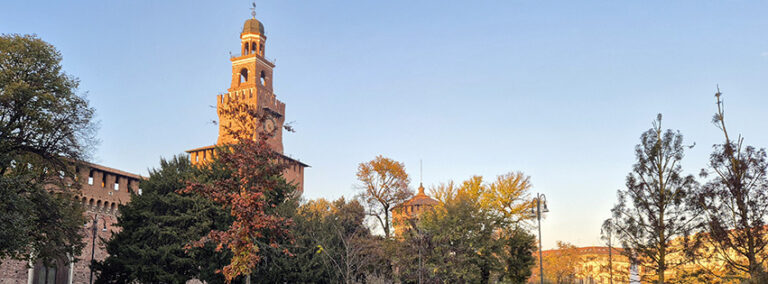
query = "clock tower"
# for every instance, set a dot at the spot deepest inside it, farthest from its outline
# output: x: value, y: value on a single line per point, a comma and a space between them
x: 252, y: 85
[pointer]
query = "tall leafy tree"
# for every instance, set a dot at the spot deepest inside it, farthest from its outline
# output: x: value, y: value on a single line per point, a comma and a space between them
x: 457, y: 245
x: 518, y: 256
x: 157, y: 225
x: 385, y: 185
x: 471, y: 236
x: 735, y: 201
x: 653, y: 211
x: 252, y: 190
x: 331, y: 245
x: 45, y: 126
x: 562, y: 265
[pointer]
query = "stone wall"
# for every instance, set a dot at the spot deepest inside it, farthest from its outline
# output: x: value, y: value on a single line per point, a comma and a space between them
x: 102, y: 190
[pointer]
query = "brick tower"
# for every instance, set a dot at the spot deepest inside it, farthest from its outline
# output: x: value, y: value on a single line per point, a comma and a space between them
x: 252, y: 84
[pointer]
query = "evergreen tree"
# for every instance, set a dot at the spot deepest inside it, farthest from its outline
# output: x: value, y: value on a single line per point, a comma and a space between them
x: 155, y: 228
x: 652, y: 211
x: 519, y: 248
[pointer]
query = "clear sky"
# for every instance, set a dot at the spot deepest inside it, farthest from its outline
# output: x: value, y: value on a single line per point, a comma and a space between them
x: 560, y: 90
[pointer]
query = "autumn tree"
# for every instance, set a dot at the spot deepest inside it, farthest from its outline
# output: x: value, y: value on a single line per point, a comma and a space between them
x: 347, y: 246
x: 157, y: 225
x: 45, y: 127
x: 563, y: 264
x: 652, y: 211
x: 735, y: 202
x: 457, y: 244
x: 385, y: 185
x: 331, y: 245
x: 245, y: 178
x: 473, y: 235
x: 508, y: 196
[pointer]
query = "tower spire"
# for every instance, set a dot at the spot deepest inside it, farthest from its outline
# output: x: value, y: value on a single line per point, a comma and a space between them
x: 253, y: 10
x: 421, y: 172
x: 421, y: 176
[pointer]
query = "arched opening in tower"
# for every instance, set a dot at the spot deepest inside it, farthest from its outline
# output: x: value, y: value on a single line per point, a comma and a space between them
x: 243, y: 75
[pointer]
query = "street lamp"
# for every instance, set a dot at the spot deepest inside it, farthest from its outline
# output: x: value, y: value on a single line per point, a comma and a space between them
x: 93, y: 241
x: 541, y: 201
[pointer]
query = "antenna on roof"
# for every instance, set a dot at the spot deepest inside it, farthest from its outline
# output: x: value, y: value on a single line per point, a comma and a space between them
x: 421, y: 172
x: 253, y: 10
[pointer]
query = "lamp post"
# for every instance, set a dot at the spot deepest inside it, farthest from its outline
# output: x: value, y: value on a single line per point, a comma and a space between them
x: 607, y: 228
x: 93, y: 241
x: 541, y: 200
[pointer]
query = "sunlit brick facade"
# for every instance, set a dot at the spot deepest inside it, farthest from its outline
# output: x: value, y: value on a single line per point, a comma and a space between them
x: 102, y: 190
x: 252, y: 84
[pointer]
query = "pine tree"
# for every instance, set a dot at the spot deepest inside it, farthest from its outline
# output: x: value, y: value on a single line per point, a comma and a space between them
x: 652, y: 211
x: 155, y: 228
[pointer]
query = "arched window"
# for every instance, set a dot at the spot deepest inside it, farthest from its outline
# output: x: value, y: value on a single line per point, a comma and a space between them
x: 263, y: 78
x: 55, y: 272
x: 243, y: 75
x: 261, y: 49
x: 246, y: 49
x: 253, y: 47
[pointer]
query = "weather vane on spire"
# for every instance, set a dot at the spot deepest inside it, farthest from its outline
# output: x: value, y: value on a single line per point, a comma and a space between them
x: 253, y: 10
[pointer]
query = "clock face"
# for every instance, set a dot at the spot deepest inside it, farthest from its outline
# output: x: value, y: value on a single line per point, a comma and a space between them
x: 270, y: 126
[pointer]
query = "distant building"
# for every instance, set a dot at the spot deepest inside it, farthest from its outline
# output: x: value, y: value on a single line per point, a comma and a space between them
x: 410, y: 211
x: 594, y: 265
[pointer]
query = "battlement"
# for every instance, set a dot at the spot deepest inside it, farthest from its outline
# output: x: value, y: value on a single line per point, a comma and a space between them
x: 102, y: 188
x: 257, y: 96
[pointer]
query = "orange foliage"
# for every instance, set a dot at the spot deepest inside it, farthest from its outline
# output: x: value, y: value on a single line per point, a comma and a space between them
x: 386, y: 185
x: 250, y: 189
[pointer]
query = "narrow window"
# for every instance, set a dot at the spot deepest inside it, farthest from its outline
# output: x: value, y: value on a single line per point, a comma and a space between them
x: 263, y: 78
x: 243, y: 75
x: 246, y: 49
x: 117, y: 183
x: 90, y: 177
x: 103, y: 179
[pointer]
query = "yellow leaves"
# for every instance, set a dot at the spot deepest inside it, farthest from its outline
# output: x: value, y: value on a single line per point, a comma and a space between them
x: 444, y: 192
x: 386, y: 186
x: 508, y: 196
x: 319, y: 249
x: 382, y: 174
x: 318, y: 207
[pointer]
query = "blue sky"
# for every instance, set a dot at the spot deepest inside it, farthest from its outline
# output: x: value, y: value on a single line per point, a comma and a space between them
x: 560, y: 90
